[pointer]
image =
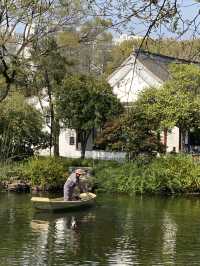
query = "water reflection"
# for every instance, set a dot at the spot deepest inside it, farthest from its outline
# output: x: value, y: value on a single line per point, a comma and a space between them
x: 169, y: 238
x: 60, y: 233
x: 119, y: 231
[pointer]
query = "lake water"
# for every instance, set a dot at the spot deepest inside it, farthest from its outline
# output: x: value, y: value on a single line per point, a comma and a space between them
x: 118, y: 231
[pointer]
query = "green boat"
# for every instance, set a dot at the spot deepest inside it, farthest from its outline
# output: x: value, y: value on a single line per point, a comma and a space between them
x: 86, y: 200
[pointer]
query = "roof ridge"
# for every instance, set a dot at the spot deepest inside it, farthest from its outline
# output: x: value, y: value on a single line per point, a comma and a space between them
x: 141, y: 51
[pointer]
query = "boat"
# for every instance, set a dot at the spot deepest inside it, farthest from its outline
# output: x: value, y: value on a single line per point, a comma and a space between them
x: 86, y: 200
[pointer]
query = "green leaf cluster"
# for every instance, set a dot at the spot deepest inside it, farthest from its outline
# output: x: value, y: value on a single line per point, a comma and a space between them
x: 85, y: 102
x: 167, y: 174
x: 20, y: 128
x: 47, y: 173
x: 177, y: 102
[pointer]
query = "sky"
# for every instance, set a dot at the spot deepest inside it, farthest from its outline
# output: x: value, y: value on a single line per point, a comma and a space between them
x: 189, y: 9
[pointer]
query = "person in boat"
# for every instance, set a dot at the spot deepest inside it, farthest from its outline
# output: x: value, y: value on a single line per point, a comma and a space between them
x: 72, y: 181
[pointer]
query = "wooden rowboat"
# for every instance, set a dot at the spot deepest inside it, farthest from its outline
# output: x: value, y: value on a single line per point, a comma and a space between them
x: 86, y: 200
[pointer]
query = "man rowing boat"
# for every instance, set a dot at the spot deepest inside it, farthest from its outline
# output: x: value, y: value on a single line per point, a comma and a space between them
x: 72, y: 181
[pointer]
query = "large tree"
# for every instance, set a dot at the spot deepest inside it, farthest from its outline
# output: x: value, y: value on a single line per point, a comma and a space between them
x: 85, y: 103
x: 23, y: 23
x: 20, y: 128
x: 177, y: 103
x: 46, y: 78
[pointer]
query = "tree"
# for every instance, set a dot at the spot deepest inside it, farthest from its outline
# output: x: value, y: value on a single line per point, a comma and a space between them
x: 85, y: 103
x: 134, y: 131
x: 23, y: 24
x: 88, y: 46
x: 48, y: 74
x: 142, y: 131
x: 177, y: 103
x: 112, y: 137
x: 20, y: 128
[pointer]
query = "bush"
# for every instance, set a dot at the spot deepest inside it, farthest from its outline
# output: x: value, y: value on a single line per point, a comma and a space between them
x: 10, y: 170
x: 48, y: 173
x: 167, y: 174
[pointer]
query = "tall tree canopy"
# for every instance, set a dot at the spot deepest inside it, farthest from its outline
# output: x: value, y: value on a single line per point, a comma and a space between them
x: 177, y: 103
x: 23, y: 23
x: 85, y: 103
x: 46, y: 78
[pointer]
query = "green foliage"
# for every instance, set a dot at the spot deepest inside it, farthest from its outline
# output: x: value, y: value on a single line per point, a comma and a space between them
x: 50, y: 173
x: 141, y: 131
x: 47, y: 172
x: 176, y: 103
x: 85, y: 103
x: 11, y: 170
x: 170, y: 106
x: 185, y: 77
x: 167, y: 174
x: 111, y: 137
x: 20, y: 128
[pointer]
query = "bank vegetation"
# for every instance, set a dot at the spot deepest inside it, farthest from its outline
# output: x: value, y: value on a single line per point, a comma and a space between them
x: 168, y: 174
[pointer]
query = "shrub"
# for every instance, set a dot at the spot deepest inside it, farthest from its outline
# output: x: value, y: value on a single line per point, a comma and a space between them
x: 10, y: 170
x: 47, y: 172
x: 167, y: 174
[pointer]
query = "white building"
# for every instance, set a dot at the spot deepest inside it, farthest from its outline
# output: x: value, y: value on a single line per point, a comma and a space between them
x: 69, y: 145
x: 126, y: 37
x: 135, y: 73
x: 140, y: 70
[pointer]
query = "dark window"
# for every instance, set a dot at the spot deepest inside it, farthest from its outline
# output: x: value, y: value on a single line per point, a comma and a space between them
x: 71, y: 141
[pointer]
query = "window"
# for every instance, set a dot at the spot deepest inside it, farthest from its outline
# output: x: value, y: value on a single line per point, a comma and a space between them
x: 71, y: 140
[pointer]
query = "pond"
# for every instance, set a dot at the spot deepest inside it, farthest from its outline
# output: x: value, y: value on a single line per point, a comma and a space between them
x: 119, y: 230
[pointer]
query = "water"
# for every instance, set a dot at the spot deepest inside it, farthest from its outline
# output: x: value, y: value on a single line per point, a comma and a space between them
x: 119, y: 231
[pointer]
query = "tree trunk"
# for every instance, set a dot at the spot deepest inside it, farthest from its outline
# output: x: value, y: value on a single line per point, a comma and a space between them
x: 165, y: 139
x: 183, y: 140
x: 54, y: 123
x: 182, y: 134
x: 84, y: 135
x: 56, y: 134
x: 83, y: 148
x: 9, y: 77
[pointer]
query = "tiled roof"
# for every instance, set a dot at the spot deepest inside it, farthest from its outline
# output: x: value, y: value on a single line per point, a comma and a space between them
x: 159, y: 64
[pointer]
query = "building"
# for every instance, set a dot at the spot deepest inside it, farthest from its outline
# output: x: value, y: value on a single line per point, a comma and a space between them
x: 69, y: 145
x: 144, y: 69
x: 126, y: 37
x: 140, y: 70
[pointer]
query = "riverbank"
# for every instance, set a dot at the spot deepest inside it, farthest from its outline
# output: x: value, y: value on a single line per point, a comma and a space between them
x: 167, y: 174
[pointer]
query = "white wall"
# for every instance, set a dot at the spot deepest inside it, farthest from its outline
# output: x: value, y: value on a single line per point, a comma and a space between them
x: 131, y: 79
x: 127, y: 82
x: 67, y: 150
x: 173, y: 139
